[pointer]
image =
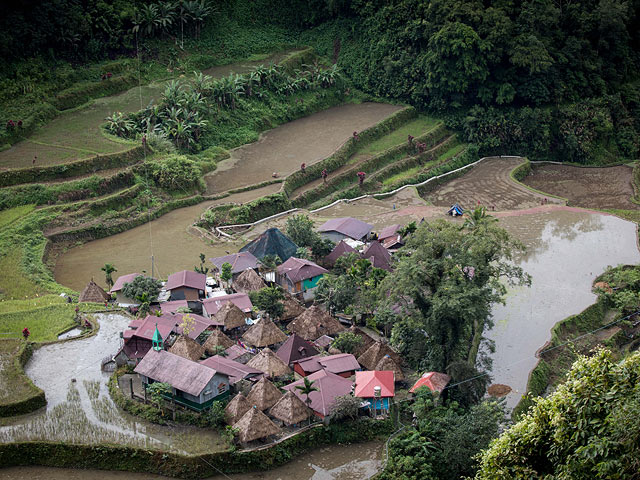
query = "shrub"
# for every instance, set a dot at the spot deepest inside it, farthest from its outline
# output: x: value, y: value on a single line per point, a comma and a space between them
x: 174, y: 173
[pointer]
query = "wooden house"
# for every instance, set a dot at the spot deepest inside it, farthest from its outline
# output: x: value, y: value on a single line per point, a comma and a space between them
x: 240, y: 262
x: 254, y: 425
x: 93, y: 293
x: 377, y: 388
x: 299, y: 276
x: 186, y: 285
x: 121, y: 300
x: 193, y: 385
x: 338, y: 229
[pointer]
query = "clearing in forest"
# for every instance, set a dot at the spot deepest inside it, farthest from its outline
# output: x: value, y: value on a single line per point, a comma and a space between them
x: 600, y: 188
x: 490, y: 184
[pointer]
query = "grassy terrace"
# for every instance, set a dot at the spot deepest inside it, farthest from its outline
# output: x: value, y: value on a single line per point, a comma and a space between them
x: 418, y: 126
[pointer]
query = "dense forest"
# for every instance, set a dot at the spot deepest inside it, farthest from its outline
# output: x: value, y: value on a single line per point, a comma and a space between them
x: 551, y: 79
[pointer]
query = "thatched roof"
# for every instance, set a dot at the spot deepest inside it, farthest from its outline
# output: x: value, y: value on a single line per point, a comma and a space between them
x: 254, y: 425
x: 266, y: 361
x: 315, y: 322
x: 367, y: 340
x: 187, y: 348
x: 374, y: 354
x: 264, y: 333
x: 217, y: 339
x: 264, y: 394
x: 236, y: 408
x: 93, y: 293
x: 387, y: 363
x: 290, y: 409
x: 231, y: 316
x: 248, y: 281
x: 292, y: 308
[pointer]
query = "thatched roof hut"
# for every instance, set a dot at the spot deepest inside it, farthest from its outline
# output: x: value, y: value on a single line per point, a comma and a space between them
x: 93, y: 293
x: 290, y: 409
x: 387, y: 363
x: 187, y: 348
x: 231, y: 316
x: 254, y: 425
x: 236, y: 408
x: 292, y: 308
x: 266, y: 361
x: 248, y: 281
x: 367, y: 340
x: 374, y: 354
x: 217, y: 339
x: 264, y: 333
x: 315, y: 322
x: 264, y: 394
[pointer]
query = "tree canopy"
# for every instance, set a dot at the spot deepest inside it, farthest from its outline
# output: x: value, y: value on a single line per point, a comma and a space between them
x: 588, y: 428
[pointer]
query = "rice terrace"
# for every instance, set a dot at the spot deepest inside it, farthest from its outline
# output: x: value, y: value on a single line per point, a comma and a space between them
x: 319, y: 240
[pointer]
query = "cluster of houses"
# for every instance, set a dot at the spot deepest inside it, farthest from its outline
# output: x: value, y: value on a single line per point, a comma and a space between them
x: 209, y: 344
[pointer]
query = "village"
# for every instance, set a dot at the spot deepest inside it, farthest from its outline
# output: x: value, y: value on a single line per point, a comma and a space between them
x: 202, y: 341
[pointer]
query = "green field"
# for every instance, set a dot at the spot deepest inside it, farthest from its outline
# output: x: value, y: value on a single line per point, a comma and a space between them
x: 15, y: 385
x: 416, y: 127
x: 8, y: 216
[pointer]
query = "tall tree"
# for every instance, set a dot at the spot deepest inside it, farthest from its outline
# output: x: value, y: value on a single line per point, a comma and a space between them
x: 108, y: 269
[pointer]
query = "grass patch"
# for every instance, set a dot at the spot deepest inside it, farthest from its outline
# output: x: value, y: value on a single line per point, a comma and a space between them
x: 9, y: 306
x: 415, y: 128
x: 14, y: 385
x: 8, y: 216
x: 13, y: 282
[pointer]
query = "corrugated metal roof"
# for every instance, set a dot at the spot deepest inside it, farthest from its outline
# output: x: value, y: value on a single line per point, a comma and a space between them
x: 122, y: 280
x: 240, y: 300
x: 329, y: 387
x: 342, y: 248
x: 351, y: 227
x: 236, y: 370
x: 378, y: 255
x: 188, y: 279
x: 367, y: 381
x: 388, y: 231
x: 180, y: 373
x: 295, y: 348
x: 239, y: 261
x: 434, y: 380
x: 299, y: 269
x: 340, y: 363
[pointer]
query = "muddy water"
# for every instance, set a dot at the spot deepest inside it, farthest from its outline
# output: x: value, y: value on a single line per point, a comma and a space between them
x: 566, y: 252
x: 306, y: 140
x: 173, y: 247
x: 338, y: 462
x: 79, y: 408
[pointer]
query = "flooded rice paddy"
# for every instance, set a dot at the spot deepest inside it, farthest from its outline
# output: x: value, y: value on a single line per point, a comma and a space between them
x: 305, y: 140
x: 566, y: 251
x: 79, y: 408
x: 357, y: 462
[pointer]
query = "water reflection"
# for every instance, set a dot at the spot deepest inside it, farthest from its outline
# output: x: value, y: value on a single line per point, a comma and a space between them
x: 566, y: 252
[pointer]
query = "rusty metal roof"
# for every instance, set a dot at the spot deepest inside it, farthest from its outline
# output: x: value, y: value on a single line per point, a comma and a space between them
x: 298, y: 269
x: 187, y: 279
x: 348, y: 226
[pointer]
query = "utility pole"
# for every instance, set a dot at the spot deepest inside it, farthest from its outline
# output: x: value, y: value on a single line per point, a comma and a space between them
x: 152, y: 267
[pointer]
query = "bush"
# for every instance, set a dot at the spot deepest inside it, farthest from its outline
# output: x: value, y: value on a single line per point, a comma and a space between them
x: 173, y: 173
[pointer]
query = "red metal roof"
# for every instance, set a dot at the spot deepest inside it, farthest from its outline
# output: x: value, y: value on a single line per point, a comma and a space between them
x: 240, y: 300
x: 167, y: 323
x: 171, y: 307
x: 367, y: 381
x: 236, y: 370
x: 298, y: 269
x: 340, y: 363
x: 342, y: 248
x: 236, y: 351
x: 329, y: 387
x: 295, y: 348
x: 181, y: 373
x: 122, y: 280
x: 350, y: 227
x: 188, y: 279
x: 378, y: 255
x: 239, y: 261
x: 434, y: 380
x: 389, y: 231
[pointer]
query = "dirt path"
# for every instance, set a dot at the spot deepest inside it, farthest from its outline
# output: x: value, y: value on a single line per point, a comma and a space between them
x: 489, y: 183
x: 608, y: 187
x: 284, y: 148
x: 75, y: 135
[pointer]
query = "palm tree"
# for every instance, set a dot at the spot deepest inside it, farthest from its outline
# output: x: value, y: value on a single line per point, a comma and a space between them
x: 108, y: 269
x: 478, y: 218
x: 199, y: 11
x: 146, y: 19
x: 305, y: 389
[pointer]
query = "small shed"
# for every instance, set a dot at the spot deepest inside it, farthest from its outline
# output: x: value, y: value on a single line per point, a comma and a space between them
x: 377, y: 387
x: 93, y: 293
x: 255, y: 425
x: 290, y: 410
x: 374, y: 354
x: 455, y: 210
x: 263, y: 334
x: 264, y: 394
x: 266, y: 361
